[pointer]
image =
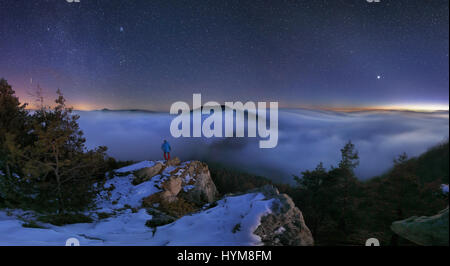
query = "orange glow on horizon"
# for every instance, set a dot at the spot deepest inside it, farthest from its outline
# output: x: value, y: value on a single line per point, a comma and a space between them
x: 399, y: 107
x: 80, y: 107
x: 393, y: 107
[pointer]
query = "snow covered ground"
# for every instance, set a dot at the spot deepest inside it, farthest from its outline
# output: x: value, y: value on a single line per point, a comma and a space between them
x: 231, y: 222
x: 210, y: 227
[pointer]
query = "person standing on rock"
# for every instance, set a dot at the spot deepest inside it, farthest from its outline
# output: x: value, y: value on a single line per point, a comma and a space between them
x: 166, y: 149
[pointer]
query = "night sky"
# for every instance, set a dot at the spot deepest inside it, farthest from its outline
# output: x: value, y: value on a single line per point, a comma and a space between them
x: 148, y: 54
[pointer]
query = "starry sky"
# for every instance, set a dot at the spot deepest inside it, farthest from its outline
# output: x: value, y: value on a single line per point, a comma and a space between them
x: 123, y: 54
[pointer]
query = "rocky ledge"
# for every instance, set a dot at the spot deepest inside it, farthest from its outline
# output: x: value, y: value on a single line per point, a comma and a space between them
x: 183, y: 195
x: 425, y: 230
x: 285, y: 225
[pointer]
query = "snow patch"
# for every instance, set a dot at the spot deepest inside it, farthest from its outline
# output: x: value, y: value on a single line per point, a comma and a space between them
x: 210, y: 227
x: 444, y: 188
x: 280, y: 230
x: 119, y: 191
x: 125, y: 224
x: 135, y: 167
x: 188, y: 187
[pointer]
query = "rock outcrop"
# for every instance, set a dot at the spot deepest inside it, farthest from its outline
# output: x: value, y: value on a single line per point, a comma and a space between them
x: 425, y: 230
x: 202, y: 188
x: 171, y: 187
x: 147, y: 173
x: 173, y: 162
x: 285, y: 226
x: 190, y: 181
x: 171, y: 190
x: 158, y: 218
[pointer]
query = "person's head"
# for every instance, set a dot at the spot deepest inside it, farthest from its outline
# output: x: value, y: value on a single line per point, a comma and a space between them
x: 165, y: 141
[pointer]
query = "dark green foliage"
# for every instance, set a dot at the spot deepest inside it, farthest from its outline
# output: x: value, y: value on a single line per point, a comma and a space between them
x: 407, y: 190
x: 31, y: 224
x: 66, y: 218
x: 43, y: 154
x: 434, y: 164
x: 236, y: 228
x: 113, y: 164
x: 46, y: 167
x: 156, y: 222
x: 349, y: 157
x: 232, y: 181
x: 313, y: 197
x: 104, y: 215
x: 57, y: 161
x: 329, y: 199
x: 341, y: 210
x: 13, y: 127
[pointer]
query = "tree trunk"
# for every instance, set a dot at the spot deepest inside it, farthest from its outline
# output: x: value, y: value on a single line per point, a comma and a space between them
x: 59, y: 191
x: 58, y: 182
x: 8, y: 172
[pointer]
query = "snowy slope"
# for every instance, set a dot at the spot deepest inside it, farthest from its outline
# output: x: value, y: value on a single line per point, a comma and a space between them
x: 120, y: 192
x: 210, y: 227
x: 231, y: 222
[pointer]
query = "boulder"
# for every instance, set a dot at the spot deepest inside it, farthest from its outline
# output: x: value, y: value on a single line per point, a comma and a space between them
x: 285, y: 226
x: 203, y: 189
x: 171, y: 187
x: 147, y: 173
x: 173, y: 161
x: 193, y: 179
x: 158, y: 218
x: 425, y: 230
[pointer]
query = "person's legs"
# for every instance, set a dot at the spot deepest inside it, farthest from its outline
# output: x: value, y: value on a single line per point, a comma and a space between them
x: 168, y: 156
x: 165, y: 156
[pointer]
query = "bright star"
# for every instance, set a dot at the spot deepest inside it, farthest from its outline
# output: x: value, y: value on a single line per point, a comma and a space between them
x: 378, y: 77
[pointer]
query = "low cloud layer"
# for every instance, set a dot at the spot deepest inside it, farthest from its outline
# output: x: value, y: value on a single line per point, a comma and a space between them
x: 305, y: 138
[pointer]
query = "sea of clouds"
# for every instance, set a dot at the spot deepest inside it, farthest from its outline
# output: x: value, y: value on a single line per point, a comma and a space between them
x: 306, y: 137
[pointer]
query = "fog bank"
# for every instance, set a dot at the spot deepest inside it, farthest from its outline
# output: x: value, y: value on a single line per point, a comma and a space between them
x: 306, y: 138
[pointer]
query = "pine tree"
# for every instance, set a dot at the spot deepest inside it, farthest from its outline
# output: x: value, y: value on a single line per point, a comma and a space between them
x: 13, y: 124
x: 349, y: 157
x: 314, y: 197
x: 349, y: 187
x: 343, y: 190
x: 58, y: 161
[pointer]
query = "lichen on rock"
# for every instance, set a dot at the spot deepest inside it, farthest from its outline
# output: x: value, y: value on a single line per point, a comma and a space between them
x: 285, y: 226
x: 425, y: 230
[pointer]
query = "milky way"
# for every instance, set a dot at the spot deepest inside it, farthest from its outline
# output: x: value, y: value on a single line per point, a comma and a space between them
x: 148, y: 54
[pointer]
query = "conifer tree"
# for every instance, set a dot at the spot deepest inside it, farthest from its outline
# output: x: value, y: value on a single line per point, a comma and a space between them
x: 58, y: 161
x: 13, y: 124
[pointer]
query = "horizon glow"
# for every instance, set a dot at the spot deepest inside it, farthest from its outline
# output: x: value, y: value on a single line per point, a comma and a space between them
x: 302, y: 54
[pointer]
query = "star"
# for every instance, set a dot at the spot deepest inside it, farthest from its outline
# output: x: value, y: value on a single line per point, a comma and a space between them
x: 167, y: 49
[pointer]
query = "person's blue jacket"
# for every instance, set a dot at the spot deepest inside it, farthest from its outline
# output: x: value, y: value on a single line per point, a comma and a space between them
x: 165, y: 146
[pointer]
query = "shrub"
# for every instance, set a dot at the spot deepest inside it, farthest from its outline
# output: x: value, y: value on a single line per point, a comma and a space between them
x: 31, y: 224
x: 177, y: 208
x: 103, y: 215
x: 66, y: 218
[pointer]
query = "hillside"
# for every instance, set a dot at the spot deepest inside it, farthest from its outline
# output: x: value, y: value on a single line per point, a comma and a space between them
x: 412, y: 187
x: 159, y: 203
x: 433, y: 165
x: 167, y: 203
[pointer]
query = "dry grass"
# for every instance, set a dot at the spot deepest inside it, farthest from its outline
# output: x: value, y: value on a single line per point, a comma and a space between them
x: 177, y: 208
